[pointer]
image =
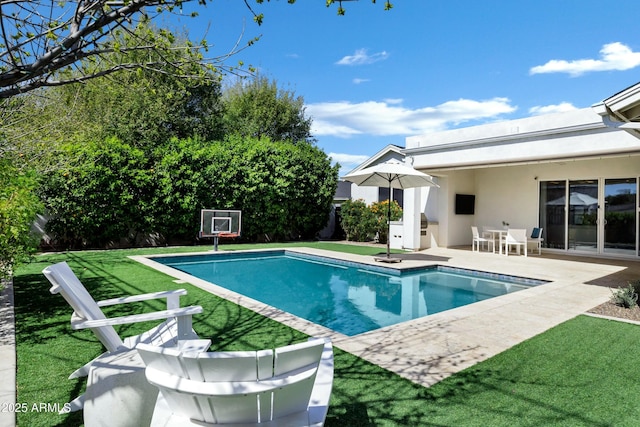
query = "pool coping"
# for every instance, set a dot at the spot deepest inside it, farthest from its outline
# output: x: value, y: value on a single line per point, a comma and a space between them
x: 429, y: 349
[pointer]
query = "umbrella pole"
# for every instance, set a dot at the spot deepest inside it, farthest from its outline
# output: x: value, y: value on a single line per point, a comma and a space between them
x: 389, y: 223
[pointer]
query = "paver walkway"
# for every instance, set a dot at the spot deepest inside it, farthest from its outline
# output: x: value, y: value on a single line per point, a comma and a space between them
x: 7, y: 357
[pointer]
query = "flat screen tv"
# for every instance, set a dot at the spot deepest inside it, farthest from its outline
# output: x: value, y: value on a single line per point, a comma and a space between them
x: 465, y: 204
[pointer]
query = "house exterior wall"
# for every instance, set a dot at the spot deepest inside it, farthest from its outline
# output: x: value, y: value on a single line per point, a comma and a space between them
x: 502, y: 164
x: 368, y: 194
x: 510, y: 193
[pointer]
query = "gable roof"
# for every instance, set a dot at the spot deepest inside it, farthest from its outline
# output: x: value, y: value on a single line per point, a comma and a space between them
x: 389, y: 152
x: 622, y: 110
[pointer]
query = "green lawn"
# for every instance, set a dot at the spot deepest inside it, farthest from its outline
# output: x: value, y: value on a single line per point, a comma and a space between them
x: 581, y: 373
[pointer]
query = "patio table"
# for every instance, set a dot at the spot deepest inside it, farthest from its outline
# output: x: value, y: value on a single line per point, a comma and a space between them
x: 501, y: 232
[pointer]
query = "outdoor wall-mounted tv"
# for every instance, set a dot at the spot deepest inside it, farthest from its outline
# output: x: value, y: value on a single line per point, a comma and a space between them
x: 465, y: 204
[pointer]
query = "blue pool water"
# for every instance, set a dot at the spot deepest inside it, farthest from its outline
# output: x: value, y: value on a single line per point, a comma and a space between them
x: 350, y: 298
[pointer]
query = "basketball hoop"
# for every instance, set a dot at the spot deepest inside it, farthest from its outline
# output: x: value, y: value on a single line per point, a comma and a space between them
x: 218, y: 224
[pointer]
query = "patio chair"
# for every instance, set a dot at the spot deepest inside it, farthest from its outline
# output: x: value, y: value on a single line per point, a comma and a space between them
x: 176, y: 325
x: 288, y: 386
x: 477, y: 240
x: 516, y: 237
x: 536, y: 238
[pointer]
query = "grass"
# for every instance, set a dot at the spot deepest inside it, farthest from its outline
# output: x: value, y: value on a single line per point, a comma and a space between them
x: 581, y: 373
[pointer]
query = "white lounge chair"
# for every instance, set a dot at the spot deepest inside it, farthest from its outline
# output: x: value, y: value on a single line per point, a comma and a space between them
x: 288, y: 386
x: 536, y: 238
x: 477, y: 240
x: 175, y: 328
x: 516, y: 237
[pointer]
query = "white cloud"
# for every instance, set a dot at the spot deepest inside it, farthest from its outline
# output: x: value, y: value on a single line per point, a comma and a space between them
x: 348, y: 161
x: 394, y: 100
x: 358, y: 81
x: 550, y: 109
x: 614, y: 57
x: 344, y: 119
x: 362, y: 57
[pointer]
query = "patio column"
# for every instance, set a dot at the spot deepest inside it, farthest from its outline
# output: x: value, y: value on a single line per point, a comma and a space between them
x: 411, y: 215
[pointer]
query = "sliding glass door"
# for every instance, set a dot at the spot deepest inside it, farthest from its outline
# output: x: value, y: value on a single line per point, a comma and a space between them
x: 552, y: 213
x: 583, y: 215
x: 620, y: 221
x: 591, y: 215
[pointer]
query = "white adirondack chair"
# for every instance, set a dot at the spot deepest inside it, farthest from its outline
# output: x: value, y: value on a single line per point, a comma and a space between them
x: 176, y: 327
x: 288, y: 386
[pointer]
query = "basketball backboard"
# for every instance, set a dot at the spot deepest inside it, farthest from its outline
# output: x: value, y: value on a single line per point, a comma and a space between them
x: 220, y: 223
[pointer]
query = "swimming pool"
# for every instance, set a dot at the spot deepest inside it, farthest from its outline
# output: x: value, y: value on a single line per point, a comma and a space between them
x: 347, y: 297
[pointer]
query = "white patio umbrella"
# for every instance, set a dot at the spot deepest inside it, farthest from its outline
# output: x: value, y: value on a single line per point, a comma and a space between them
x: 575, y: 199
x: 391, y: 174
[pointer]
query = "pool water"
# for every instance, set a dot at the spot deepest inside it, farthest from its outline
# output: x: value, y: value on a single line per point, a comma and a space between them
x: 347, y: 297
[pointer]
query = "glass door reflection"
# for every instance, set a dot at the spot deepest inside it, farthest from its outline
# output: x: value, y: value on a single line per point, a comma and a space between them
x: 620, y: 216
x: 582, y: 218
x: 552, y: 213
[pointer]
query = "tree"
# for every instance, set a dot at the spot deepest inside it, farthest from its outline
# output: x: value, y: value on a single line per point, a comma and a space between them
x: 41, y: 38
x: 258, y: 108
x: 139, y: 107
x: 44, y: 41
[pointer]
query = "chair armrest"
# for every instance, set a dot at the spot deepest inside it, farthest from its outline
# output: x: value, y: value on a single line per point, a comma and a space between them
x: 321, y: 393
x: 80, y: 323
x: 173, y: 298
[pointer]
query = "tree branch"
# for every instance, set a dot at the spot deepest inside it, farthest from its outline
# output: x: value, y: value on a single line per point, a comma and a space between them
x: 42, y: 38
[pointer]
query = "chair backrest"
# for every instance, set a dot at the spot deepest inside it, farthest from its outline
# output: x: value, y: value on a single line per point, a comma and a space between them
x: 516, y: 235
x: 474, y: 231
x: 238, y: 386
x: 536, y: 233
x: 67, y: 284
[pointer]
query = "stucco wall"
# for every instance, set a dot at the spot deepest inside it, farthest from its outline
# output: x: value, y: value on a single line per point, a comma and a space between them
x: 368, y: 194
x: 454, y: 229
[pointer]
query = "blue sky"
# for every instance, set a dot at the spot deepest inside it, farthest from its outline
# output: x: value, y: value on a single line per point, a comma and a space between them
x: 373, y: 77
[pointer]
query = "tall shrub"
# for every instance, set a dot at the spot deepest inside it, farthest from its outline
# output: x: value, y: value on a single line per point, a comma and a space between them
x: 381, y: 212
x: 18, y: 207
x: 358, y: 221
x: 104, y: 193
x: 284, y: 190
x: 186, y: 182
x: 361, y: 223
